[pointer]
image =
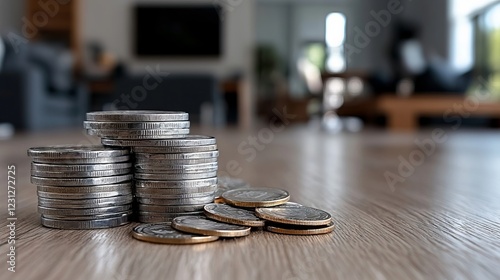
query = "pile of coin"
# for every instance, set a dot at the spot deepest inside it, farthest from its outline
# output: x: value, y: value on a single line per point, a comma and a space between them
x: 137, y: 124
x: 246, y: 208
x: 82, y: 187
x: 175, y: 173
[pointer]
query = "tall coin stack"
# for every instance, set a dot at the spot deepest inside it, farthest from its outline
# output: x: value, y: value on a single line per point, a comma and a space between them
x: 175, y: 173
x: 82, y: 187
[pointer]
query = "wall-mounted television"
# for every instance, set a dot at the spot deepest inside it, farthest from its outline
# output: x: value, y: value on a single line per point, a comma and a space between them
x: 178, y: 31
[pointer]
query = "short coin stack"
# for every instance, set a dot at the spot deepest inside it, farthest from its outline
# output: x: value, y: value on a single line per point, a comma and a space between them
x: 82, y: 187
x: 175, y: 173
x: 245, y: 208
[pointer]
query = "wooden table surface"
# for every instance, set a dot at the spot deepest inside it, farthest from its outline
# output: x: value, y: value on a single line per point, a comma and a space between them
x: 442, y: 222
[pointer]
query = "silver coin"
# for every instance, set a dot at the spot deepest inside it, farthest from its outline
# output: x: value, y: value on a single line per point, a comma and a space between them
x: 88, y: 217
x: 67, y: 182
x: 71, y: 196
x: 79, y: 168
x: 181, y: 176
x: 166, y: 170
x: 232, y: 215
x: 85, y: 203
x: 138, y: 134
x: 175, y: 184
x: 256, y: 197
x: 163, y: 233
x: 204, y: 226
x: 188, y: 141
x: 135, y: 125
x: 163, y: 218
x: 87, y: 190
x: 177, y: 201
x: 80, y: 174
x: 84, y: 212
x: 72, y: 151
x: 229, y: 183
x: 169, y: 215
x: 179, y: 167
x: 163, y: 162
x: 94, y: 224
x: 294, y: 214
x: 170, y: 209
x: 176, y: 191
x: 137, y: 116
x: 173, y: 196
x: 80, y: 161
x: 211, y: 154
x: 173, y: 149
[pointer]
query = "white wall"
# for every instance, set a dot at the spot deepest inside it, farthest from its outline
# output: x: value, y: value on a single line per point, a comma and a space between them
x: 110, y: 22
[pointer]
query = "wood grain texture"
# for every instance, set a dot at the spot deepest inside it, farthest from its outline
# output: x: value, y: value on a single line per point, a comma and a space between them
x: 443, y: 222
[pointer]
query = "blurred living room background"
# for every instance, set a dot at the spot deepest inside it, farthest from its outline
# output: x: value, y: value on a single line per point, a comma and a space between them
x: 346, y: 64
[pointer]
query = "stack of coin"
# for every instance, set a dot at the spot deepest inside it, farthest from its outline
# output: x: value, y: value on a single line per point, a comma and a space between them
x: 173, y: 177
x: 175, y: 173
x: 137, y: 124
x: 82, y: 187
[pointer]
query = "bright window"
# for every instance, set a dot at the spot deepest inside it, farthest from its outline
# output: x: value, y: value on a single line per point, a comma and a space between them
x: 335, y: 38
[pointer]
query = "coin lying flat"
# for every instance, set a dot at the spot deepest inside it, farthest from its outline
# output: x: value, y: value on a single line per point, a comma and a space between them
x: 81, y: 161
x: 84, y: 212
x: 139, y: 134
x: 188, y: 141
x: 226, y: 184
x: 256, y: 197
x: 170, y: 209
x: 210, y: 154
x: 175, y: 184
x: 85, y: 203
x: 176, y: 168
x: 137, y: 116
x: 176, y: 191
x: 300, y: 230
x: 70, y: 151
x: 79, y: 168
x: 173, y: 196
x: 87, y: 190
x: 71, y: 196
x: 294, y: 214
x: 180, y: 176
x: 88, y: 217
x: 232, y: 215
x: 165, y: 234
x: 93, y: 224
x: 172, y: 149
x: 163, y: 162
x: 80, y: 174
x: 80, y: 181
x: 177, y: 201
x: 204, y: 226
x: 135, y: 125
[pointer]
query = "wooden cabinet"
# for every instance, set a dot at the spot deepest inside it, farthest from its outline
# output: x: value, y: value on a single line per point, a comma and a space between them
x: 56, y: 21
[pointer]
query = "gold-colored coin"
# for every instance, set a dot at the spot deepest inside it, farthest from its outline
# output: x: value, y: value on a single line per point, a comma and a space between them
x: 163, y: 233
x: 256, y: 197
x: 300, y: 230
x: 294, y: 214
x: 232, y: 215
x: 204, y: 226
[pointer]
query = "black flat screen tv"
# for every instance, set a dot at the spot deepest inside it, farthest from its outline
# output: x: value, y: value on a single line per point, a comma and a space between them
x: 178, y: 31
